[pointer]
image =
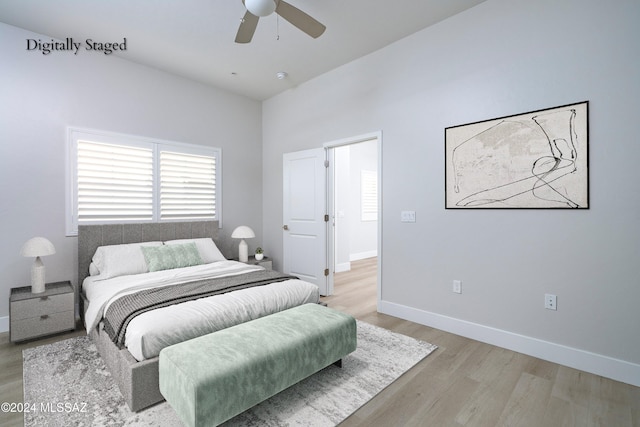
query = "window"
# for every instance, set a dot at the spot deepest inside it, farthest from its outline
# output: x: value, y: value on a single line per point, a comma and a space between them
x: 119, y: 178
x: 187, y: 186
x: 114, y: 182
x: 369, y: 195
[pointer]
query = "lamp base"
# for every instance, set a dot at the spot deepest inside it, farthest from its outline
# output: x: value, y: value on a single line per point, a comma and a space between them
x: 37, y: 277
x: 243, y: 251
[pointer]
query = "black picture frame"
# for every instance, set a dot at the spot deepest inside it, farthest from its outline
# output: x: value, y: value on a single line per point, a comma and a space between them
x: 533, y: 160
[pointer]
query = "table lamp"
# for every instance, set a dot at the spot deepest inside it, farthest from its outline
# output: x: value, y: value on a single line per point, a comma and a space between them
x: 243, y: 232
x: 37, y: 247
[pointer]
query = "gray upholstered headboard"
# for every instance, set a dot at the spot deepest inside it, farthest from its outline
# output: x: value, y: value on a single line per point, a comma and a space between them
x: 90, y: 237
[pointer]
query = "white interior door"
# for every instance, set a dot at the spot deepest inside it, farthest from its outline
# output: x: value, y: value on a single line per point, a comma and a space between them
x: 304, y: 209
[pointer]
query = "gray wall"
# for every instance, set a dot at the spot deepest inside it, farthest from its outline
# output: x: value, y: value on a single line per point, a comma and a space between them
x: 42, y: 95
x: 499, y: 58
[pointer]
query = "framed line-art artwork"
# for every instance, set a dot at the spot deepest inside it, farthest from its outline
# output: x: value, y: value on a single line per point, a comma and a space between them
x: 535, y: 160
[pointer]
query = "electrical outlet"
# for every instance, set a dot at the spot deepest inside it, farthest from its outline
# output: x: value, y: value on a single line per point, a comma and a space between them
x: 550, y: 302
x: 457, y: 286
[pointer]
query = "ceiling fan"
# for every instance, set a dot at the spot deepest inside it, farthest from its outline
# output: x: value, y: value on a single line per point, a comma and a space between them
x: 258, y: 8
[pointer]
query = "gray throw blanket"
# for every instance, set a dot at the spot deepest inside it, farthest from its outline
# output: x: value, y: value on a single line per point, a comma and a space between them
x: 123, y: 310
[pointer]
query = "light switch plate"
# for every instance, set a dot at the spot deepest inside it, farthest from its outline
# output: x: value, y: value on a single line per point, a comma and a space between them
x: 408, y: 216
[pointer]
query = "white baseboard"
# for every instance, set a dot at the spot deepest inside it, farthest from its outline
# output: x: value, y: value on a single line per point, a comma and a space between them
x: 4, y: 324
x: 598, y: 364
x: 342, y: 267
x: 363, y: 255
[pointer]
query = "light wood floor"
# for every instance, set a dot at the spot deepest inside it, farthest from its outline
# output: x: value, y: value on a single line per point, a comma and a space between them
x: 469, y: 383
x: 462, y: 383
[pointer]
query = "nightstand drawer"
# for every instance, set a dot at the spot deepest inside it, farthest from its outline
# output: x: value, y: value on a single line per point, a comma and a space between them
x: 38, y: 306
x: 42, y: 325
x: 266, y: 264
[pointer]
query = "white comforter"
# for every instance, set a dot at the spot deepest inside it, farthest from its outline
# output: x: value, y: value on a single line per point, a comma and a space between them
x: 150, y: 332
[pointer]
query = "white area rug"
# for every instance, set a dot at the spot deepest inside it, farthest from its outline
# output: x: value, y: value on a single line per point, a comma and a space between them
x: 66, y: 383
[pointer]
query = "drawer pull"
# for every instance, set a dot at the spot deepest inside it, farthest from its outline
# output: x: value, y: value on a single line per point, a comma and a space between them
x: 44, y: 317
x: 44, y: 298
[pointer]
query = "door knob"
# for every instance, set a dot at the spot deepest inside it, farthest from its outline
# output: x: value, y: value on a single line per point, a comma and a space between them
x: 285, y: 227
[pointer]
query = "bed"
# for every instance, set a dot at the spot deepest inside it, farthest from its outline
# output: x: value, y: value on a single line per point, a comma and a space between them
x: 131, y: 313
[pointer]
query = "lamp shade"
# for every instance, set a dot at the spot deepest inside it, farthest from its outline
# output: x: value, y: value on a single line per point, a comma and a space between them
x: 260, y: 7
x: 38, y: 246
x: 243, y: 232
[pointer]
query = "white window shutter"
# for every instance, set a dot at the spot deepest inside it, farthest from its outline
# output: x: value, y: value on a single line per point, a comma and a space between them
x: 115, y: 182
x: 187, y: 186
x: 369, y: 195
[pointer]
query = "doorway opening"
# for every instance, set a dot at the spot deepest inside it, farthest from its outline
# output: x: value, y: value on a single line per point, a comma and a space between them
x: 354, y: 205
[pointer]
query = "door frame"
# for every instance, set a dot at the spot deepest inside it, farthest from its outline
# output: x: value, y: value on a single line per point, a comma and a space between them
x: 329, y: 146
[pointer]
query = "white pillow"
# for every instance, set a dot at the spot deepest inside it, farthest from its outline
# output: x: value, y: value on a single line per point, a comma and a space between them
x: 207, y: 248
x: 121, y: 260
x: 93, y: 269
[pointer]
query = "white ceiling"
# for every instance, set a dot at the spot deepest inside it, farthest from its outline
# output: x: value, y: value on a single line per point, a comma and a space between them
x: 195, y: 38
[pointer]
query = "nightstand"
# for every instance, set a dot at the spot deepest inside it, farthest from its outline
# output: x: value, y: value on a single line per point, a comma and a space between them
x: 35, y: 315
x: 264, y: 262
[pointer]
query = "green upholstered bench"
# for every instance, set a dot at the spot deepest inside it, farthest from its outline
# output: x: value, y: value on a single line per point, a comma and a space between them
x: 210, y: 379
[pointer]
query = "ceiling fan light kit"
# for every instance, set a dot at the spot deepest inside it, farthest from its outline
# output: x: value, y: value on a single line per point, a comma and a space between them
x: 260, y: 7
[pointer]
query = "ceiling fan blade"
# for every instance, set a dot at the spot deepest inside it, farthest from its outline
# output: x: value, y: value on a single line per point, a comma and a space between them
x: 247, y: 28
x: 300, y: 19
